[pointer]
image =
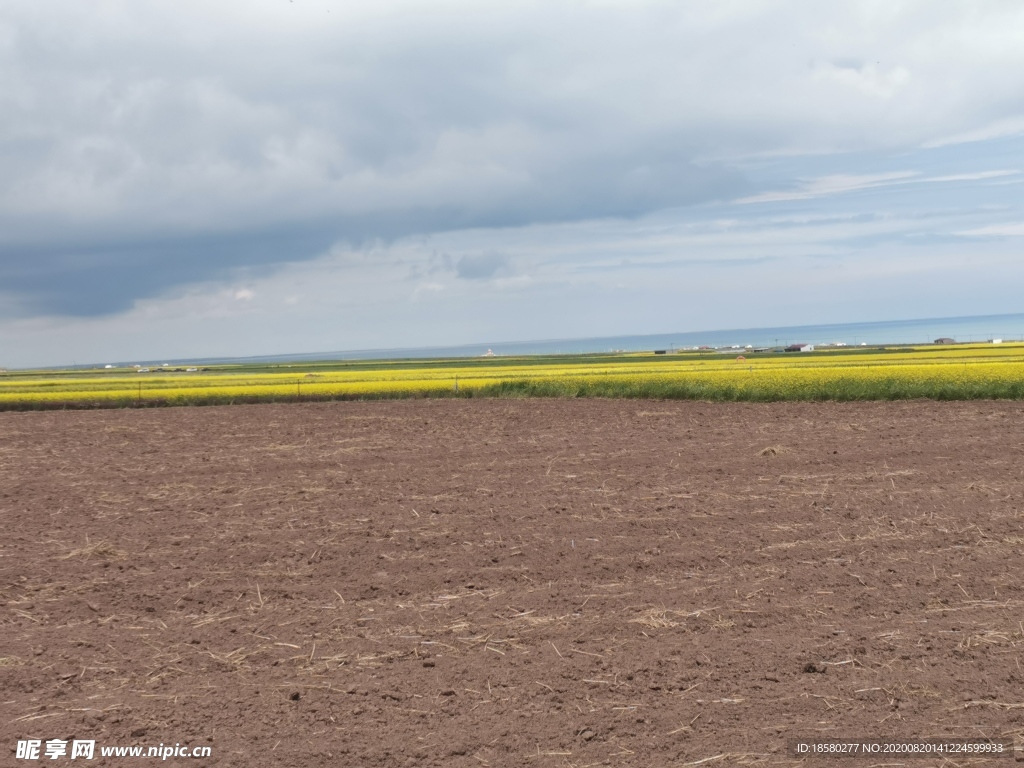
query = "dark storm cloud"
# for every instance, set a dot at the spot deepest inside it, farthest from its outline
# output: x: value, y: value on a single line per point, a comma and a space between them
x: 134, y: 163
x: 148, y: 146
x: 106, y: 278
x: 99, y: 273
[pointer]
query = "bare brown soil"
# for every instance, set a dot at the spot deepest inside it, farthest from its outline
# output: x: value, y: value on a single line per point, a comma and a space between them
x: 511, y: 583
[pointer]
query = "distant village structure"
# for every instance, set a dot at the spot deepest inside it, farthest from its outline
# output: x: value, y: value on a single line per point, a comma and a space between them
x: 945, y: 340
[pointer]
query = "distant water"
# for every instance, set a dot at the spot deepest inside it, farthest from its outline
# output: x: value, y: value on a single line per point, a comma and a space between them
x: 961, y: 329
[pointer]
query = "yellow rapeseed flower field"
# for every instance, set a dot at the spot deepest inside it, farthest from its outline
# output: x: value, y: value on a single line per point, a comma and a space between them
x: 945, y: 372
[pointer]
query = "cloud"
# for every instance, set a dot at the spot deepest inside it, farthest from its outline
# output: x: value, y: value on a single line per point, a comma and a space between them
x: 831, y: 259
x: 977, y: 176
x: 865, y: 77
x: 155, y: 146
x: 83, y: 279
x: 831, y: 185
x: 1011, y: 126
x: 426, y: 289
x: 995, y: 230
x: 482, y: 266
x: 843, y: 183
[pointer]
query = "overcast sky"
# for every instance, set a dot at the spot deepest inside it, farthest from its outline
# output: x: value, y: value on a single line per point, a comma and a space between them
x: 185, y: 179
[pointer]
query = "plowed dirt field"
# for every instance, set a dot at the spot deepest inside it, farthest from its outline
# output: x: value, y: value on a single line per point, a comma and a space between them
x: 511, y: 583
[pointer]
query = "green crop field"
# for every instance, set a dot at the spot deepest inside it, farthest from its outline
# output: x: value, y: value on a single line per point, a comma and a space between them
x: 953, y: 372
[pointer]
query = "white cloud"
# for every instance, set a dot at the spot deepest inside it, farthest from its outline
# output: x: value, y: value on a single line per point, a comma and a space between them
x: 978, y: 176
x: 1010, y: 126
x: 995, y: 230
x: 868, y: 79
x: 831, y: 185
x: 427, y: 288
x: 841, y: 183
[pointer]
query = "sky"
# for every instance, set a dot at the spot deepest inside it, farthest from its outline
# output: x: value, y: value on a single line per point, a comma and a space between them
x: 251, y: 177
